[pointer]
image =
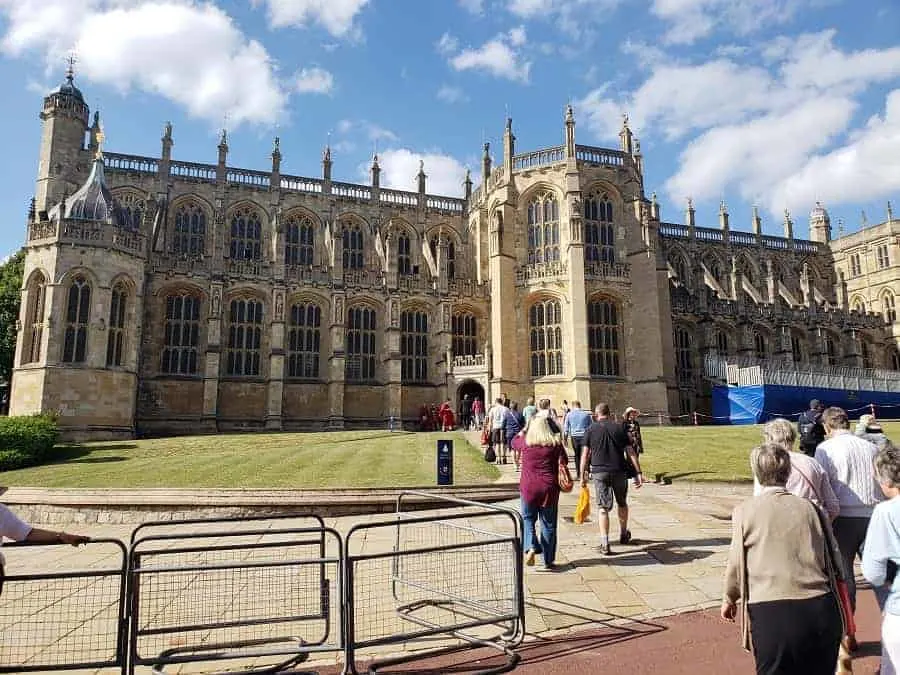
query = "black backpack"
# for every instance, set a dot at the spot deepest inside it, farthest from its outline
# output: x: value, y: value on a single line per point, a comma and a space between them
x: 490, y: 455
x: 811, y: 430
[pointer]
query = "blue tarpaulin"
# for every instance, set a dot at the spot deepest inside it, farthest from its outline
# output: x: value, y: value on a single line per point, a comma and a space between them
x: 760, y: 403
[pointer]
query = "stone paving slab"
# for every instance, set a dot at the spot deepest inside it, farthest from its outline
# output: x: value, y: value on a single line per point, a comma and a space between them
x: 675, y: 563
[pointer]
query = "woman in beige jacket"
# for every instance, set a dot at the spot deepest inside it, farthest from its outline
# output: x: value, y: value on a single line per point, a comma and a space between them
x: 779, y: 567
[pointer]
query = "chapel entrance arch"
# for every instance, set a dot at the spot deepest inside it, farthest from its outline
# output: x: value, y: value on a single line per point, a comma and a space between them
x: 472, y: 389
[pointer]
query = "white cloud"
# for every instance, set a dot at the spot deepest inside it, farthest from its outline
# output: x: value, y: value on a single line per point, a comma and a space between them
x: 572, y: 16
x: 314, y: 81
x: 692, y: 20
x: 192, y: 54
x: 447, y: 44
x: 859, y: 170
x: 475, y: 7
x: 498, y: 56
x: 768, y: 134
x: 449, y: 94
x: 335, y: 16
x: 400, y: 166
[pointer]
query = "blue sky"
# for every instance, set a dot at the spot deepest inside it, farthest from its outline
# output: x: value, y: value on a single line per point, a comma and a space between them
x: 777, y: 102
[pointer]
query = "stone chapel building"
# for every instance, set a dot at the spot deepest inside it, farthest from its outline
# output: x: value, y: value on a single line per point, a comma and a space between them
x: 165, y: 296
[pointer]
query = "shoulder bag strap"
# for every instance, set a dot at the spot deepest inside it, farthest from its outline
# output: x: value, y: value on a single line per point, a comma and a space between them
x: 809, y: 483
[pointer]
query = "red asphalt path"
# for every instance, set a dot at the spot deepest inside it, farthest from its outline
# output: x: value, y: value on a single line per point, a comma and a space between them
x: 699, y: 642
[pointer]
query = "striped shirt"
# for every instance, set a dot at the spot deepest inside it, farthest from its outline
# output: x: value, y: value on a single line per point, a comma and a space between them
x: 849, y: 462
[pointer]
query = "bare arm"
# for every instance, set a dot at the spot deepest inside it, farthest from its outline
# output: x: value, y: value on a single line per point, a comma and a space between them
x: 633, y: 456
x: 39, y: 536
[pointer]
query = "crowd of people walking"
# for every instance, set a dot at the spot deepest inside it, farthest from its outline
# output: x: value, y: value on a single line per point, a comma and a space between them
x: 816, y: 508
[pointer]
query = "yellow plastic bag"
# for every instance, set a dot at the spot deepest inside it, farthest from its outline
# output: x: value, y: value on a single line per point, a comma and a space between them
x: 583, y: 510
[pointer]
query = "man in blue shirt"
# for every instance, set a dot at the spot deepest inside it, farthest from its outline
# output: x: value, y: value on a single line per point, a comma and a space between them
x: 576, y: 423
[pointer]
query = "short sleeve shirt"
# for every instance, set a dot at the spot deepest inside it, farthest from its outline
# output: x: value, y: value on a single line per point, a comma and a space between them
x: 607, y: 441
x: 11, y: 527
x: 498, y: 416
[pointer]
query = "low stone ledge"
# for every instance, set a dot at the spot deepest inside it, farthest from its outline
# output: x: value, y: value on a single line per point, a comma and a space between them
x: 120, y: 506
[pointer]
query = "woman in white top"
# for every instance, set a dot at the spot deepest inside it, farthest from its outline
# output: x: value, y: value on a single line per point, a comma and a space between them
x: 807, y: 478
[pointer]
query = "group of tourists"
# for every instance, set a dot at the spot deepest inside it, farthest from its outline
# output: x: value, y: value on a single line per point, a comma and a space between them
x: 794, y: 543
x: 604, y: 451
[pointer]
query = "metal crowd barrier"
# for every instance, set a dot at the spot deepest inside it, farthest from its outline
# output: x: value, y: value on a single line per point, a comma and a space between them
x: 272, y: 591
x: 70, y: 616
x: 456, y: 574
x: 266, y: 589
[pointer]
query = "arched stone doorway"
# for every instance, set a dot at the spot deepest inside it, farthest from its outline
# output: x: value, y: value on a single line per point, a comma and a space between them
x: 473, y: 390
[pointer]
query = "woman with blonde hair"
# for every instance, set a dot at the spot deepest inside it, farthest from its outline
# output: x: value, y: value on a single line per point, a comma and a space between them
x: 542, y: 453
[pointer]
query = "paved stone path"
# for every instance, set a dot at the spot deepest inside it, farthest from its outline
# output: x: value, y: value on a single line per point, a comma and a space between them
x: 675, y: 563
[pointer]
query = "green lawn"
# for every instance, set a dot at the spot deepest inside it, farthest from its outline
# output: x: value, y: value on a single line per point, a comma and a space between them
x: 283, y: 460
x: 707, y: 452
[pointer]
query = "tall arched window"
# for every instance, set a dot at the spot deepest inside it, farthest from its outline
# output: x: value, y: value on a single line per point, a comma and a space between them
x: 361, y: 326
x: 133, y: 208
x: 603, y: 338
x: 465, y: 334
x: 715, y: 270
x: 353, y: 247
x: 299, y: 239
x: 115, y: 339
x: 190, y: 230
x: 34, y: 330
x: 866, y: 353
x: 797, y: 352
x: 451, y: 255
x: 684, y: 357
x: 543, y: 229
x: 599, y: 231
x: 679, y: 265
x: 414, y: 346
x: 245, y: 319
x: 759, y: 345
x: 830, y: 357
x: 246, y: 234
x: 895, y: 359
x: 304, y: 340
x: 887, y: 302
x: 858, y: 305
x: 404, y: 255
x: 545, y: 324
x: 182, y: 334
x: 721, y: 343
x: 78, y: 316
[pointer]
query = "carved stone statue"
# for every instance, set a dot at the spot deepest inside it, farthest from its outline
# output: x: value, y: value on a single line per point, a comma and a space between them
x: 216, y: 302
x: 395, y: 314
x: 339, y: 310
x: 497, y: 233
x: 279, y: 306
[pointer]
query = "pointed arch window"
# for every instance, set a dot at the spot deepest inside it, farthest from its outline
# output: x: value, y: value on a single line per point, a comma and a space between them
x: 859, y: 305
x: 353, y: 247
x: 604, y: 330
x: 304, y: 340
x: 684, y: 357
x: 599, y: 230
x: 414, y: 346
x: 182, y: 334
x: 830, y: 357
x: 543, y: 229
x: 115, y: 339
x: 246, y: 234
x: 721, y: 343
x: 190, y: 230
x: 465, y: 334
x: 35, y: 307
x: 759, y: 345
x: 797, y: 353
x: 245, y: 319
x: 545, y: 327
x: 404, y: 255
x: 132, y: 207
x: 78, y: 316
x: 299, y: 241
x: 890, y: 311
x: 361, y: 327
x: 679, y: 266
x: 866, y: 353
x: 895, y: 359
x: 451, y: 255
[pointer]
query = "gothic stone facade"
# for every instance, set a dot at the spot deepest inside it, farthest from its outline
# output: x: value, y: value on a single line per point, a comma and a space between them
x: 163, y: 296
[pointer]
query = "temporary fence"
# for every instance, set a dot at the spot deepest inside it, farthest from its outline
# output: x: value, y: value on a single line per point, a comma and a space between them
x: 272, y: 591
x: 70, y: 618
x: 457, y: 574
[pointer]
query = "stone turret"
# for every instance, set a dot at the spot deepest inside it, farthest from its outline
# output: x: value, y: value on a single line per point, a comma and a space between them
x: 819, y: 224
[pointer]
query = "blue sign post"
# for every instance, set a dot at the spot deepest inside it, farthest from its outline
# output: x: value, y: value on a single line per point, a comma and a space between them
x: 444, y: 462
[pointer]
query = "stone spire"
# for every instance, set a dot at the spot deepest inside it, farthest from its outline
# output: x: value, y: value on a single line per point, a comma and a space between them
x: 467, y: 184
x: 486, y: 163
x: 509, y: 146
x: 375, y: 170
x: 756, y: 221
x: 167, y: 141
x: 723, y: 215
x: 421, y: 176
x: 570, y: 132
x: 689, y: 215
x: 890, y: 212
x: 326, y: 162
x: 276, y: 155
x: 788, y: 225
x: 626, y: 137
x: 223, y: 147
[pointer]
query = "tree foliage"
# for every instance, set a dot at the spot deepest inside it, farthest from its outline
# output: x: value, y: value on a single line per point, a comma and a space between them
x: 10, y: 295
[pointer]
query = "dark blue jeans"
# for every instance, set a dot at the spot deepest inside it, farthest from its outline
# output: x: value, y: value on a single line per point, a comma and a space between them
x: 546, y: 544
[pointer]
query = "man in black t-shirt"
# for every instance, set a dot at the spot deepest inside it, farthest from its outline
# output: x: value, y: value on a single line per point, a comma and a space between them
x: 606, y: 445
x: 810, y: 429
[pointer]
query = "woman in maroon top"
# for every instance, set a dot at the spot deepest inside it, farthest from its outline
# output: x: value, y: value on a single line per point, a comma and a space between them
x: 542, y: 452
